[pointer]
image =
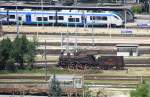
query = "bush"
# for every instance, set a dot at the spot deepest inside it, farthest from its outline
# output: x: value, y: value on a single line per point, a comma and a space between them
x: 136, y: 9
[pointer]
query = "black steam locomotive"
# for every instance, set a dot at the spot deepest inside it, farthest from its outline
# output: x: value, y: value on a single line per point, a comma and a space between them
x: 86, y: 61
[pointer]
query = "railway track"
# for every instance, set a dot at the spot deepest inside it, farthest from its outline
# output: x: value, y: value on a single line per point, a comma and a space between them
x: 97, y: 50
x: 86, y: 77
x: 52, y: 64
x: 27, y: 83
x: 81, y: 34
x: 92, y: 51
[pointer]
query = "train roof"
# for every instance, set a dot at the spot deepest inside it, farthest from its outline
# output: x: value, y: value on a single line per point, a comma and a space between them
x: 63, y: 12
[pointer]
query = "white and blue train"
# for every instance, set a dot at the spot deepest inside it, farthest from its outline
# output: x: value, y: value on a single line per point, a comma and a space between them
x: 65, y: 17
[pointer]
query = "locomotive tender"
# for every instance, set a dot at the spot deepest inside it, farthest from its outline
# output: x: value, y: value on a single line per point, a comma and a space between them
x: 64, y: 17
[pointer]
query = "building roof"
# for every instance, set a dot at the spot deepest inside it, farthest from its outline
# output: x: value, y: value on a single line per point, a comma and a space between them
x: 127, y: 45
x: 56, y: 7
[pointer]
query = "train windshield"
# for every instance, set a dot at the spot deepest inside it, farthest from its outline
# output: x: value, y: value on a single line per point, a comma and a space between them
x: 116, y: 17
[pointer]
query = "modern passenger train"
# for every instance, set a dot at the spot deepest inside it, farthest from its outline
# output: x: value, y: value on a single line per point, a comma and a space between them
x: 64, y: 17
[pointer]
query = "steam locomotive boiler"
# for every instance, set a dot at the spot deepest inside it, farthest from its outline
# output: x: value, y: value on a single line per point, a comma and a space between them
x: 76, y: 61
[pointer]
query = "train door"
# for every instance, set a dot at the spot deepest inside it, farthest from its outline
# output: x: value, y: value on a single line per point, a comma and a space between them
x: 28, y: 19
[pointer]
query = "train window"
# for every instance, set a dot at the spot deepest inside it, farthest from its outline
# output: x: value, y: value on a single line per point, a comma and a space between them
x: 70, y: 20
x: 60, y: 17
x: 95, y: 18
x: 73, y: 19
x: 92, y: 17
x: 77, y: 19
x: 44, y: 18
x: 98, y: 18
x: 39, y: 18
x: 12, y: 16
x: 51, y: 17
x: 19, y: 18
x: 104, y: 18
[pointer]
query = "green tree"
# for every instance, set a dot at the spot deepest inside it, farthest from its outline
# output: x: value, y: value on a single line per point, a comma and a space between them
x: 17, y: 51
x: 141, y: 91
x: 24, y: 51
x: 20, y: 51
x: 54, y: 88
x: 31, y: 52
x: 136, y: 9
x: 6, y: 51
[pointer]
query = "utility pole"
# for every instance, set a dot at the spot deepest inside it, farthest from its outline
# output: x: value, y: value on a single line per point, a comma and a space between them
x: 42, y: 13
x: 75, y: 2
x: 45, y: 62
x: 62, y: 39
x: 76, y: 44
x: 17, y: 23
x: 149, y: 8
x: 67, y: 46
x: 37, y: 28
x: 125, y: 15
x: 93, y: 43
x: 84, y: 20
x: 124, y: 2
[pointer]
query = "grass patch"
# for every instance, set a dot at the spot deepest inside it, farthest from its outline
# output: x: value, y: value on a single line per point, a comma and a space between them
x: 148, y: 83
x: 51, y: 70
x: 24, y: 71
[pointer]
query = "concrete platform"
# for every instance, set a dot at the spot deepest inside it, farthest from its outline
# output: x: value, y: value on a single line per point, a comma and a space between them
x: 49, y: 29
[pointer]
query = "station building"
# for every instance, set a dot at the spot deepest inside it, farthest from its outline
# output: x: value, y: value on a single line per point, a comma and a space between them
x: 127, y: 49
